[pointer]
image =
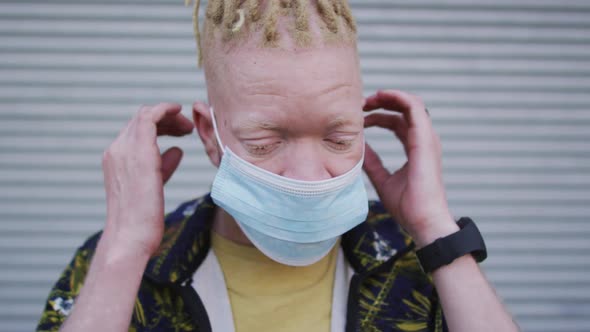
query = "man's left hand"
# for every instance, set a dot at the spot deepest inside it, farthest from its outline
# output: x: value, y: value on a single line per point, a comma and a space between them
x: 414, y: 194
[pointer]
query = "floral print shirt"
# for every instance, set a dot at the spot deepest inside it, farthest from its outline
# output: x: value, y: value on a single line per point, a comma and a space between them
x: 389, y: 291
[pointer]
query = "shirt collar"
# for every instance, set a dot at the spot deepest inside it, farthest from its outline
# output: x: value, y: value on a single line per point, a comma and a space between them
x: 185, y: 243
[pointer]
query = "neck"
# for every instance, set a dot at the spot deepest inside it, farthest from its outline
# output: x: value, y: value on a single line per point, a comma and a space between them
x: 226, y: 226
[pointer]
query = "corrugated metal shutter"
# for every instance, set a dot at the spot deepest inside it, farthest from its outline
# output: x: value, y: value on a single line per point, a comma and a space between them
x: 506, y: 81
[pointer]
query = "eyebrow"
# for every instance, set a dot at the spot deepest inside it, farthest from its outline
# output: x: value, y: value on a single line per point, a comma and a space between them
x: 339, y: 122
x: 260, y: 124
x: 264, y: 124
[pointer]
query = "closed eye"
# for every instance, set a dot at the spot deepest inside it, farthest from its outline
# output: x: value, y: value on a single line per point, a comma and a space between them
x: 262, y: 149
x: 339, y: 144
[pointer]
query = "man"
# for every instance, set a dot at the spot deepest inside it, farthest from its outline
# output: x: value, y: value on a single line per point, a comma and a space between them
x: 286, y: 240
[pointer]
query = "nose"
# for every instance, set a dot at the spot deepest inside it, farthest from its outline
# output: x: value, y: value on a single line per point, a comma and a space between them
x: 305, y: 163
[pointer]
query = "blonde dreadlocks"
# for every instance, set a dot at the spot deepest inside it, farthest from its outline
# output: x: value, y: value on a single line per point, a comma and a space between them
x: 236, y: 19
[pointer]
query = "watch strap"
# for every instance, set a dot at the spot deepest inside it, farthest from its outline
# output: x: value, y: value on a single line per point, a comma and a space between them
x: 446, y: 249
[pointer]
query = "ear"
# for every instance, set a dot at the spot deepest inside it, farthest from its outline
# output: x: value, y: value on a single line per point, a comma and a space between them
x: 202, y: 120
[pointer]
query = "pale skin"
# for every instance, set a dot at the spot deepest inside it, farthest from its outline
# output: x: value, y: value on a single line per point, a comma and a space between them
x: 297, y: 114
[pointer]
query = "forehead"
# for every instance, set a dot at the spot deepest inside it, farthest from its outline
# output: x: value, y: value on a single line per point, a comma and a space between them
x: 320, y: 80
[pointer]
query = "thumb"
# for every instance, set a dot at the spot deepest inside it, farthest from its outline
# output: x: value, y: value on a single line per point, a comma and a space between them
x: 374, y: 168
x: 170, y: 161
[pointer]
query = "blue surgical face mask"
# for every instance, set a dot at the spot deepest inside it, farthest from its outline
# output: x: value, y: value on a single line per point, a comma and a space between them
x: 293, y: 222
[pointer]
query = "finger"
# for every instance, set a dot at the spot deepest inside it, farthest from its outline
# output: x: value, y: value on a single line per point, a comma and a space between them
x: 371, y: 103
x: 170, y: 161
x: 374, y: 168
x: 164, y: 109
x: 411, y: 106
x: 148, y: 117
x: 174, y: 125
x: 383, y: 120
x: 394, y: 100
x: 130, y: 129
x: 393, y: 122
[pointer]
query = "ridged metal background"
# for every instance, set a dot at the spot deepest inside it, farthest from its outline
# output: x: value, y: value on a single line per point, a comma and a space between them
x: 507, y: 83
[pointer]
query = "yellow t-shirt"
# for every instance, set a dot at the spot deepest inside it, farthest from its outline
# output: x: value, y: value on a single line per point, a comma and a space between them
x: 268, y: 296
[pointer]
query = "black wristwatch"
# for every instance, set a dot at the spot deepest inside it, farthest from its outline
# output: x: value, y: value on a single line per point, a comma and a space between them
x: 446, y: 249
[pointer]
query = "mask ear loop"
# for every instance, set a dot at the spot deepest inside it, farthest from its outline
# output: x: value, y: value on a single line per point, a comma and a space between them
x: 215, y: 129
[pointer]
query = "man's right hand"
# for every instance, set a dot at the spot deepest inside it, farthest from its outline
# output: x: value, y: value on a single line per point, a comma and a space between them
x: 134, y: 176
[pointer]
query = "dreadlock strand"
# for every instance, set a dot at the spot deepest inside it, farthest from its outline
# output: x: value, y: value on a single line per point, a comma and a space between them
x: 271, y: 34
x: 215, y: 11
x: 301, y: 15
x: 286, y: 4
x: 326, y: 11
x: 302, y: 33
x: 254, y: 10
x: 230, y: 16
x: 337, y: 9
x: 347, y: 15
x: 196, y: 31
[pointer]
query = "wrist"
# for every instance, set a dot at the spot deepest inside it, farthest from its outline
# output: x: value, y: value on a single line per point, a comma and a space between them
x: 436, y: 228
x: 117, y: 248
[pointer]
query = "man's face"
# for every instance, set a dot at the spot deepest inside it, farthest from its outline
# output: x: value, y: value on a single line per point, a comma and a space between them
x: 296, y: 114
